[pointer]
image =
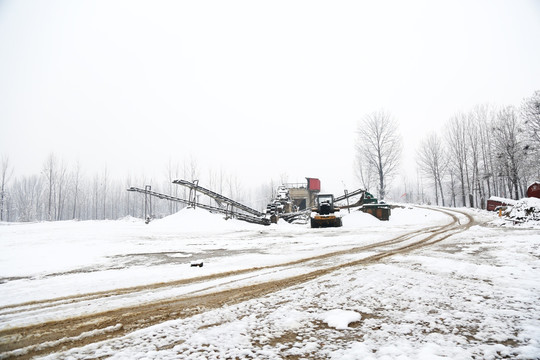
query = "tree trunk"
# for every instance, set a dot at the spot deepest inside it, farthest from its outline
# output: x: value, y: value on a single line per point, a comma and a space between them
x: 441, y: 189
x: 436, y: 191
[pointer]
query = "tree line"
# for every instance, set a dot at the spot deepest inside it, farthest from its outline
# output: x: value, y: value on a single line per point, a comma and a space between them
x: 487, y: 151
x: 62, y: 191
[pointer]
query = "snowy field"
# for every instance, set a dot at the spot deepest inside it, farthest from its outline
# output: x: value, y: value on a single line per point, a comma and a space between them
x: 473, y: 295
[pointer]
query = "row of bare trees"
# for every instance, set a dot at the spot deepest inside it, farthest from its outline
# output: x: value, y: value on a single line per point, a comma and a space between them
x: 485, y: 152
x: 482, y: 153
x: 62, y: 191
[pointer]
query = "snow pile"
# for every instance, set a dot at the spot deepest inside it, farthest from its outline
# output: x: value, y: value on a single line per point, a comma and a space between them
x: 525, y: 213
x: 358, y: 220
x: 527, y: 209
x: 129, y: 219
x: 399, y: 216
x: 340, y: 319
x: 189, y: 220
x: 407, y: 215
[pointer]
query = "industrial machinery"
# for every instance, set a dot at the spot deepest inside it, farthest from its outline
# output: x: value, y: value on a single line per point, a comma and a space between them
x: 294, y: 203
x: 226, y: 206
x: 366, y: 203
x: 280, y: 204
x: 324, y: 214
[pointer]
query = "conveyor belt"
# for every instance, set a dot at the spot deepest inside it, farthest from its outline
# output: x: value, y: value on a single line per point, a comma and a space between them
x: 348, y: 195
x: 235, y: 214
x: 218, y: 197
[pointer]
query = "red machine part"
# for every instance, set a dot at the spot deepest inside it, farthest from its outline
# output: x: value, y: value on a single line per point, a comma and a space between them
x: 314, y: 184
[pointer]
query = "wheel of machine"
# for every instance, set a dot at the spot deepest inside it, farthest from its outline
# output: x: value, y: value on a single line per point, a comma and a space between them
x: 314, y: 223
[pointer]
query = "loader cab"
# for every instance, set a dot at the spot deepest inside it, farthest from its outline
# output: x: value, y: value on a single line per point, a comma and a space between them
x: 325, y: 204
x: 325, y: 214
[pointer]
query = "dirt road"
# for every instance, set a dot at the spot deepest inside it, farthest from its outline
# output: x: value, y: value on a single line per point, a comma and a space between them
x: 216, y: 291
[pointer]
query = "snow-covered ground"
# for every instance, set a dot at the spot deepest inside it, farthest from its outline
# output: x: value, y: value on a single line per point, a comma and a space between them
x: 55, y: 259
x: 473, y: 295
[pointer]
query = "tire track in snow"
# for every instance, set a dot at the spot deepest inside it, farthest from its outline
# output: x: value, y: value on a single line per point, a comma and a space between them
x: 48, y: 303
x: 29, y: 341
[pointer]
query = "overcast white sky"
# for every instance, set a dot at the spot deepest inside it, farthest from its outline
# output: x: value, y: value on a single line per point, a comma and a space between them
x: 258, y: 88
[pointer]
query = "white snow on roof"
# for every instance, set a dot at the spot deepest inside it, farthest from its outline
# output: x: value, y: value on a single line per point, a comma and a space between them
x: 503, y: 200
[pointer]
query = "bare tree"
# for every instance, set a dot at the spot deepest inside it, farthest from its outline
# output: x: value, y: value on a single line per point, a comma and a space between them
x: 95, y: 196
x: 458, y: 149
x: 193, y: 168
x: 6, y: 173
x: 475, y: 138
x: 484, y: 117
x: 453, y: 186
x: 105, y: 189
x: 212, y: 183
x: 530, y: 111
x: 76, y: 180
x: 49, y: 171
x: 379, y: 146
x: 235, y: 188
x: 190, y: 171
x: 221, y: 180
x: 128, y: 183
x: 431, y: 160
x: 27, y: 192
x: 509, y: 147
x: 61, y: 179
x: 172, y: 174
x: 365, y: 173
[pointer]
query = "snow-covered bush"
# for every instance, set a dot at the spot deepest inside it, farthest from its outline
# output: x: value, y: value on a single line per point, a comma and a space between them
x: 525, y: 210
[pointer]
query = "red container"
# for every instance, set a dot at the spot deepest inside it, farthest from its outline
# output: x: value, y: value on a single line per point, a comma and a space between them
x: 494, y: 202
x: 313, y: 184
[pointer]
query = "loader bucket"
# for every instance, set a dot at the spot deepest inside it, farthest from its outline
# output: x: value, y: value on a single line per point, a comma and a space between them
x: 326, y: 221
